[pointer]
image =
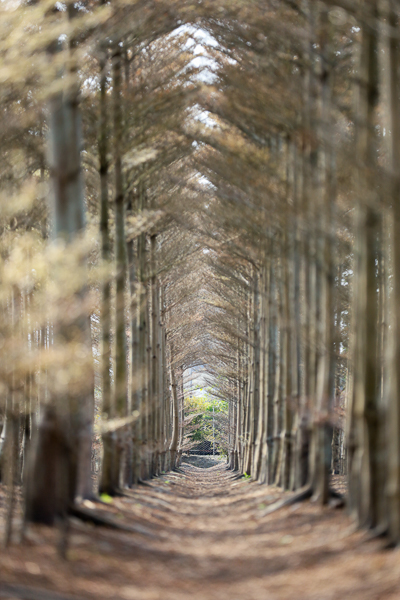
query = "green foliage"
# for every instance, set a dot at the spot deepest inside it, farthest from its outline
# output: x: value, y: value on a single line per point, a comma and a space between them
x: 106, y: 498
x: 201, y: 413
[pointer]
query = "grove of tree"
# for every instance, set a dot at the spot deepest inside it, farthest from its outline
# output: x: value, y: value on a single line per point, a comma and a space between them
x: 210, y: 186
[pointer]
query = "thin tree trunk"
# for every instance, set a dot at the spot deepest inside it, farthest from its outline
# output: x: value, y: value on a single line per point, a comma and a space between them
x: 121, y: 265
x: 173, y: 448
x: 393, y: 419
x: 107, y: 484
x: 364, y: 489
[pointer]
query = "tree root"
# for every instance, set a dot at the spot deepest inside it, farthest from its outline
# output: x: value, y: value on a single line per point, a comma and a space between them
x: 379, y: 532
x: 98, y: 518
x: 144, y: 482
x: 115, y: 494
x: 305, y: 493
x: 128, y: 493
x: 236, y: 476
x: 22, y: 592
x: 336, y: 499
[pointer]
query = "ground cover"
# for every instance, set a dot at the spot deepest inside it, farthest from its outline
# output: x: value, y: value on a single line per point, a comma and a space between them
x: 200, y: 535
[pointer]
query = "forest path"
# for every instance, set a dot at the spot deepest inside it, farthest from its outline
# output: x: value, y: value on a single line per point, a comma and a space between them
x: 201, y: 536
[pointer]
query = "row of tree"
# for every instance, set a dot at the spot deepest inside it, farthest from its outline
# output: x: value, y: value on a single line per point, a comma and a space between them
x: 223, y: 185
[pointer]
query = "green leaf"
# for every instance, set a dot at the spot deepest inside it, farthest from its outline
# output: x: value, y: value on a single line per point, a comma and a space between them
x: 106, y: 498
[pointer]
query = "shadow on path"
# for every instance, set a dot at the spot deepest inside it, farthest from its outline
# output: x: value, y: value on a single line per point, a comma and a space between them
x: 203, y: 461
x: 201, y: 535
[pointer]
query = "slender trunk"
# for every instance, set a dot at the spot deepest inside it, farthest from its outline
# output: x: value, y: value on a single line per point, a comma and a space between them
x: 121, y: 265
x: 272, y: 369
x: 173, y: 448
x: 63, y: 444
x: 364, y: 488
x: 393, y: 418
x: 107, y: 484
x: 155, y: 405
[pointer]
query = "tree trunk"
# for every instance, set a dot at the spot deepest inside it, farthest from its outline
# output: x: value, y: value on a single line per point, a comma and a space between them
x: 61, y: 456
x: 365, y: 491
x: 393, y: 417
x: 107, y: 484
x: 173, y: 448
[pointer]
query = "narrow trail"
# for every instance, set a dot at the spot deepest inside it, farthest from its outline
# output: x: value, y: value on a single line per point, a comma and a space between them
x: 201, y: 537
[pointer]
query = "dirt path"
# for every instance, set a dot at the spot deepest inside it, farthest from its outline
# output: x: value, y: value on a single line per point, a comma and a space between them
x: 202, y: 538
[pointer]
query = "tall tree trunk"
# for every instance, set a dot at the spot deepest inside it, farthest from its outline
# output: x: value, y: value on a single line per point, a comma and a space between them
x: 59, y: 467
x: 364, y: 488
x: 121, y: 378
x: 393, y: 420
x: 155, y: 405
x: 173, y: 448
x: 107, y: 484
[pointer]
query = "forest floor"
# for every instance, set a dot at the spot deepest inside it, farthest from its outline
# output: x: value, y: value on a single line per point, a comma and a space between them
x: 200, y: 534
